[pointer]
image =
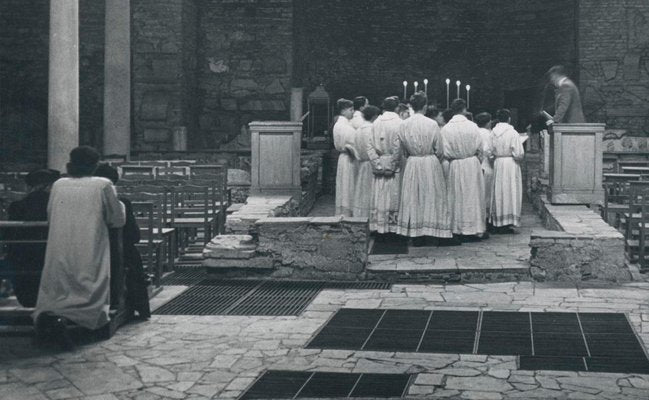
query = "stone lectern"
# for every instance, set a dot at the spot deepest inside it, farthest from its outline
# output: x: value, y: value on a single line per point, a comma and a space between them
x: 275, y: 164
x: 576, y: 164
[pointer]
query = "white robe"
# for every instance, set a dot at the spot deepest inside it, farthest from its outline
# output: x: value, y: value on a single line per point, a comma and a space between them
x: 346, y: 173
x: 507, y: 197
x: 463, y: 147
x: 76, y: 276
x: 423, y: 210
x: 362, y: 202
x: 358, y: 120
x: 386, y: 189
x: 487, y: 166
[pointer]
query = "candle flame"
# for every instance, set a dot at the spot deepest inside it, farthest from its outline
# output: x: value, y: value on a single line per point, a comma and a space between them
x: 448, y: 81
x: 425, y: 81
x: 468, y: 87
x: 405, y: 83
x: 458, y: 83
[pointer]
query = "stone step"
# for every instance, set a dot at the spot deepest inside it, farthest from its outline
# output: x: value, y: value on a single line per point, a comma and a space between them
x: 426, y: 269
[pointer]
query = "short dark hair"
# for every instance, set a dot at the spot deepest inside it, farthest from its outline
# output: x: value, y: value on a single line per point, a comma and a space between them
x: 418, y: 101
x: 447, y: 115
x: 83, y: 161
x: 342, y: 104
x: 483, y: 119
x: 390, y: 103
x: 106, y: 171
x: 432, y: 111
x: 402, y: 107
x: 42, y: 177
x: 503, y: 115
x: 458, y: 106
x: 359, y: 102
x: 370, y: 112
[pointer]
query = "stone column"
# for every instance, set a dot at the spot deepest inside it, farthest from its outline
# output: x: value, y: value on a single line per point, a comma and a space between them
x: 63, y: 95
x: 117, y: 78
x: 296, y: 103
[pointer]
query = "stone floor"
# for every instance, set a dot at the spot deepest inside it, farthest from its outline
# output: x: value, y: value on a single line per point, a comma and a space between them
x: 183, y: 357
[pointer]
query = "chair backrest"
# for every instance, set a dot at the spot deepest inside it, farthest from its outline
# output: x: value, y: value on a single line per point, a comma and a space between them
x: 181, y: 163
x: 159, y: 196
x: 621, y: 177
x: 172, y: 171
x: 638, y: 195
x: 216, y: 169
x: 137, y: 172
x: 192, y: 198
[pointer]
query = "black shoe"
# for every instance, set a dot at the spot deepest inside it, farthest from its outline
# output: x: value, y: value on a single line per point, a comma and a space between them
x: 454, y: 241
x: 42, y: 328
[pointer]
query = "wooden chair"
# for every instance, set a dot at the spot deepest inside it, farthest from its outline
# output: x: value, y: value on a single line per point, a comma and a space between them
x: 192, y: 210
x: 629, y: 164
x: 616, y: 196
x: 150, y: 244
x: 163, y: 236
x: 219, y: 201
x: 636, y: 223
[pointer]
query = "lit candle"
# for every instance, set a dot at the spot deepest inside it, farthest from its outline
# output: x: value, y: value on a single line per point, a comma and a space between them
x: 416, y: 84
x: 405, y: 90
x: 468, y: 95
x: 448, y: 95
x: 458, y: 83
x: 426, y: 87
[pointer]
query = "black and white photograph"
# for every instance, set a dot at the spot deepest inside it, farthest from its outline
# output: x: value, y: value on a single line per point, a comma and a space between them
x: 324, y: 199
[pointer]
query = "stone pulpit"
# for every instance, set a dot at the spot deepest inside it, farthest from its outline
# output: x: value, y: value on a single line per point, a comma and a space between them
x: 576, y: 164
x: 275, y: 158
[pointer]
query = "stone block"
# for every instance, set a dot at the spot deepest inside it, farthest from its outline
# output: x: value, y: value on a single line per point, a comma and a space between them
x: 156, y: 135
x: 275, y: 87
x: 165, y: 69
x: 238, y: 176
x: 326, y: 220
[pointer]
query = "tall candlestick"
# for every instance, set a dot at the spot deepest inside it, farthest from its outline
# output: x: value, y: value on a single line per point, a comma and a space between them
x: 416, y: 84
x: 426, y: 87
x: 458, y: 83
x: 468, y: 96
x: 405, y: 90
x: 448, y: 95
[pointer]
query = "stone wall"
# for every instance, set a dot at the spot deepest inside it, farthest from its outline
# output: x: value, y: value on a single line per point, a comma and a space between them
x: 163, y: 43
x: 245, y: 61
x: 614, y: 63
x: 370, y: 47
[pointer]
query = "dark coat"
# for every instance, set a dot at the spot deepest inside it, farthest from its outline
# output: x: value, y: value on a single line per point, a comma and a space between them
x: 567, y: 104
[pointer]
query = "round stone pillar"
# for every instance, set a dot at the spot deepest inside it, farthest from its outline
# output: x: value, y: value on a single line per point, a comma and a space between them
x: 63, y: 94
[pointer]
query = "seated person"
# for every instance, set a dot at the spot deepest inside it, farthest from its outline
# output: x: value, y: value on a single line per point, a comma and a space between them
x: 137, y: 296
x: 75, y: 285
x: 26, y: 260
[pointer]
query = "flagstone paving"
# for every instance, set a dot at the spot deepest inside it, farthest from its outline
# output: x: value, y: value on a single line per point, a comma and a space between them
x: 203, y: 357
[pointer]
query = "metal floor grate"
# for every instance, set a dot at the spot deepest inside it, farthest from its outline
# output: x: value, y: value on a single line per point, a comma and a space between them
x: 596, y: 342
x: 187, y: 276
x: 253, y: 297
x: 339, y: 385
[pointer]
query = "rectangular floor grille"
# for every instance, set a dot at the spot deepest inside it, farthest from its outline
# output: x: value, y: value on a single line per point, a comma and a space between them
x: 599, y: 342
x: 186, y: 277
x: 298, y: 384
x: 253, y: 297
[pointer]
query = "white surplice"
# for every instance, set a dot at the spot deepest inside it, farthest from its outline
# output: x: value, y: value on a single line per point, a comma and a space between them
x: 76, y: 276
x: 362, y: 202
x: 423, y: 210
x: 386, y: 190
x: 346, y: 173
x: 487, y: 166
x: 357, y: 120
x: 465, y: 185
x: 507, y: 197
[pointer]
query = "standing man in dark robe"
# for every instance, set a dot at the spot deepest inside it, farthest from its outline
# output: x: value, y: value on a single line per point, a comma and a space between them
x: 567, y: 102
x: 137, y: 295
x: 26, y: 260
